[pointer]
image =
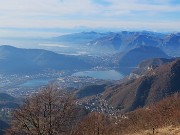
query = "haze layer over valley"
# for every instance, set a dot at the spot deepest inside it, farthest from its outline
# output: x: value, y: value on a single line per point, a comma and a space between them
x: 102, y: 67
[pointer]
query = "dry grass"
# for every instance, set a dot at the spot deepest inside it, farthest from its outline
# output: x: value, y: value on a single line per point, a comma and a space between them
x: 170, y: 130
x: 162, y: 114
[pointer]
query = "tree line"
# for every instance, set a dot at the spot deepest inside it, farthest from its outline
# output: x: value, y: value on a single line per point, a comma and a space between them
x: 56, y: 112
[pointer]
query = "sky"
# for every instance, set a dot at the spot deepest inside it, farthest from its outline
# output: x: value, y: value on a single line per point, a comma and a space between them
x: 48, y: 18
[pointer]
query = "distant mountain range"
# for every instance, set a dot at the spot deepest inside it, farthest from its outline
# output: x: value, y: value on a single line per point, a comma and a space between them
x: 78, y: 38
x: 125, y: 40
x: 124, y: 50
x: 17, y: 60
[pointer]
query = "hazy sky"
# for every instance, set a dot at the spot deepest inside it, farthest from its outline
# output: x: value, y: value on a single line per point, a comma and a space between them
x: 55, y: 17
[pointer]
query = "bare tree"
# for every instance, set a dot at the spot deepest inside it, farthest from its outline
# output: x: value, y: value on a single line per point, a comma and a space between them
x: 94, y: 124
x: 50, y: 112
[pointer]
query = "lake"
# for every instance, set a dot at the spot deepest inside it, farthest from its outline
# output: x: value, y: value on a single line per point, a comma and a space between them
x: 35, y: 82
x: 106, y: 75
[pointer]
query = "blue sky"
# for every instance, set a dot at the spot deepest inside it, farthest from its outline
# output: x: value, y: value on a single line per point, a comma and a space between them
x: 47, y: 18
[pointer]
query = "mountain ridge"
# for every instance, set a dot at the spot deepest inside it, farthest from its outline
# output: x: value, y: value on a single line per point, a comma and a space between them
x: 18, y: 60
x: 126, y: 40
x: 154, y: 86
